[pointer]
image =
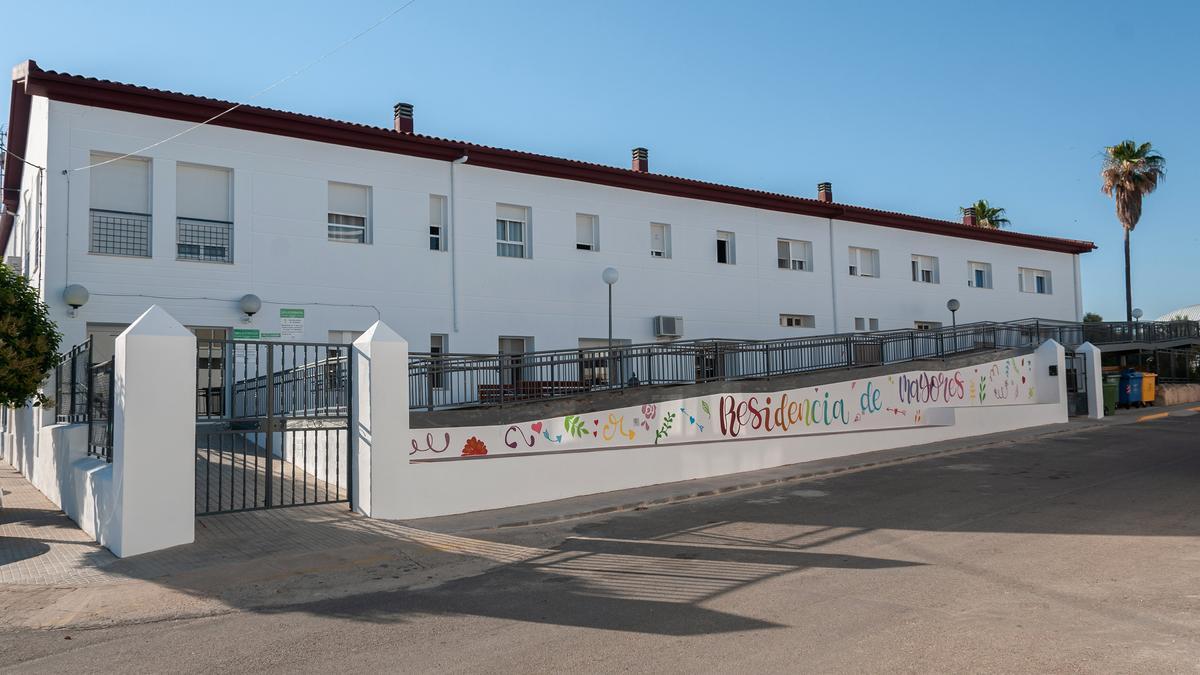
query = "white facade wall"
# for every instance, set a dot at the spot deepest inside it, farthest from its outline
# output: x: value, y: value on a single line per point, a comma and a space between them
x: 281, y: 251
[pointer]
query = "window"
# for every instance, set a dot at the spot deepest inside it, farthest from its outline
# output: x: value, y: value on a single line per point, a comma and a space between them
x: 437, y: 372
x: 203, y: 214
x: 980, y: 274
x: 512, y: 351
x: 864, y: 262
x: 512, y: 231
x: 795, y: 255
x: 925, y: 269
x: 798, y: 320
x: 210, y: 369
x: 866, y: 323
x: 660, y: 240
x: 725, y: 248
x: 587, y: 232
x: 1033, y: 281
x: 927, y: 325
x: 349, y: 213
x: 120, y: 206
x: 344, y: 337
x: 437, y: 223
x: 595, y: 361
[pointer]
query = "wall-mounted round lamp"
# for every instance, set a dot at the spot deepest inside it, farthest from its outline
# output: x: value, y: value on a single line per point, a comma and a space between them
x: 249, y: 304
x: 75, y: 296
x: 1137, y: 313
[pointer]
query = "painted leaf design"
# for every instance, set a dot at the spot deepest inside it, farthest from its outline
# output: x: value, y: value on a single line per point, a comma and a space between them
x: 705, y: 408
x: 574, y: 425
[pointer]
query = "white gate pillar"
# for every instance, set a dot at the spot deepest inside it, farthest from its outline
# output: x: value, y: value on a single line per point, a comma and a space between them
x: 153, y: 504
x: 1095, y: 378
x: 1051, y: 388
x: 381, y: 423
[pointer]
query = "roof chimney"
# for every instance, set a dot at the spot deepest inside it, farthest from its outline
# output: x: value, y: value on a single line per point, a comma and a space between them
x: 641, y: 160
x: 969, y: 216
x: 825, y: 192
x: 402, y: 117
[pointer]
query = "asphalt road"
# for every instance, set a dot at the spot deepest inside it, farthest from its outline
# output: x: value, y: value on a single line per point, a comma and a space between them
x: 1077, y: 553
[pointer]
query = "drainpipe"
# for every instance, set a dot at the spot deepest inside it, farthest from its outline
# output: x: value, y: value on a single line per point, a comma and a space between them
x: 454, y: 249
x: 833, y: 278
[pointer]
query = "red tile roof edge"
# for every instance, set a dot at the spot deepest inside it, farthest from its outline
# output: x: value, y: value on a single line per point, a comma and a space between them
x: 31, y: 80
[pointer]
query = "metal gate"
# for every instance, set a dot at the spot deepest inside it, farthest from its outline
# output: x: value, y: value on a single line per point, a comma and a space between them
x: 273, y: 425
x: 1077, y: 392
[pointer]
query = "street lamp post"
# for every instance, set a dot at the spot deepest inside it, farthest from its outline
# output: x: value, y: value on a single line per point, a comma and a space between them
x: 610, y: 276
x: 952, y: 304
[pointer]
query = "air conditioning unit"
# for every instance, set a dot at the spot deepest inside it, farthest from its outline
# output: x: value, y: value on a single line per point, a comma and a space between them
x: 668, y: 326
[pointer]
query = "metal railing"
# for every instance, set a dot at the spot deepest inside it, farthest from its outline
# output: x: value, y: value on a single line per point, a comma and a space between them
x: 304, y: 379
x: 119, y: 233
x: 438, y: 381
x: 204, y: 240
x: 100, y: 410
x: 1173, y: 366
x: 71, y: 384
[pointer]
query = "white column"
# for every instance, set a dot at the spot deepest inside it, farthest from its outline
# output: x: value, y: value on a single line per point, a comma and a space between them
x: 1095, y: 379
x: 381, y: 467
x: 152, y: 503
x: 1051, y: 388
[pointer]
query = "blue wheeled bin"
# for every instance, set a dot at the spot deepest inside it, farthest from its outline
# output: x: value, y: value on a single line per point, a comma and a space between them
x: 1129, y: 393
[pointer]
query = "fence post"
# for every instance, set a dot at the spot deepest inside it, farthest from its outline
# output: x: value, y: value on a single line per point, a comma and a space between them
x: 1095, y: 378
x: 380, y: 424
x: 152, y: 503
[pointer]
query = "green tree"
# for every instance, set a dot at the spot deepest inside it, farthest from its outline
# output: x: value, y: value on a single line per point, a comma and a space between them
x: 1130, y: 172
x: 987, y: 215
x: 1092, y: 317
x: 28, y: 341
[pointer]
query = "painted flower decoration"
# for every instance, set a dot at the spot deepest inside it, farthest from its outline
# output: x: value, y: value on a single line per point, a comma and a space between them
x: 649, y: 411
x: 474, y: 448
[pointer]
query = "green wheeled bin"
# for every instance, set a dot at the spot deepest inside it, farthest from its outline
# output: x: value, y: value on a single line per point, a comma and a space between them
x: 1111, y: 384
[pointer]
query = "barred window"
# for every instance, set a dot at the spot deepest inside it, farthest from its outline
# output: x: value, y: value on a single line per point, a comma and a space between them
x: 204, y: 220
x: 120, y: 206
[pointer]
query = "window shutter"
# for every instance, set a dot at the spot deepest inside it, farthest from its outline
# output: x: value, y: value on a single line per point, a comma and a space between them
x: 352, y: 200
x: 123, y: 185
x: 509, y: 212
x: 202, y: 192
x: 437, y: 210
x: 658, y: 237
x: 585, y: 229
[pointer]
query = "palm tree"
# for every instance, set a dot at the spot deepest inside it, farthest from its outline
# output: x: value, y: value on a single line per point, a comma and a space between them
x: 987, y: 215
x: 1130, y: 172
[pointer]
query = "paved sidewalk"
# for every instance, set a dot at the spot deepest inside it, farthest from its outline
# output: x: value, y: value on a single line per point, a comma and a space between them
x: 39, y: 544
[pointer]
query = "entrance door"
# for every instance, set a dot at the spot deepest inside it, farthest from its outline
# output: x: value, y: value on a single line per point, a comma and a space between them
x: 1077, y: 393
x: 273, y: 424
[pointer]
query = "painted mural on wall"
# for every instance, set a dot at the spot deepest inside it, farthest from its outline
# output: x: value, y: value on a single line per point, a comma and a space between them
x: 870, y: 404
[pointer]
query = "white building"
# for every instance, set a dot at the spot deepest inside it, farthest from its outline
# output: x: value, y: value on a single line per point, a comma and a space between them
x: 460, y: 247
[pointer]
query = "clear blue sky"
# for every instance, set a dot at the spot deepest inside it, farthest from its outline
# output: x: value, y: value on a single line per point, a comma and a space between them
x: 917, y: 107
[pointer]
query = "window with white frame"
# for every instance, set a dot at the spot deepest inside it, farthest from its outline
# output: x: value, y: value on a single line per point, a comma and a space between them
x: 120, y: 206
x: 512, y: 231
x: 979, y: 274
x: 797, y: 320
x: 864, y: 323
x: 927, y: 325
x: 793, y: 254
x: 344, y: 337
x: 1034, y: 281
x: 864, y: 262
x: 660, y: 240
x: 725, y: 248
x: 437, y: 347
x: 203, y: 213
x: 925, y: 269
x: 349, y: 213
x: 587, y: 232
x: 437, y: 223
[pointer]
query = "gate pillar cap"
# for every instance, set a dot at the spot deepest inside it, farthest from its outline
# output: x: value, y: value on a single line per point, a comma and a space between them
x: 157, y: 322
x: 380, y: 332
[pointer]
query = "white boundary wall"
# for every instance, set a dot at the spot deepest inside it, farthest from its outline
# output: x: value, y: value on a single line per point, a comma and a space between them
x: 396, y: 481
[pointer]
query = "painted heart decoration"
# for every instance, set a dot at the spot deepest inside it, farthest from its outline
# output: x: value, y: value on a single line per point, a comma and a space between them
x: 537, y: 427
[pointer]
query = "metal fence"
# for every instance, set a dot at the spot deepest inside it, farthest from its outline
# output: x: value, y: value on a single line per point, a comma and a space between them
x: 1173, y: 366
x: 439, y: 381
x: 71, y: 384
x: 100, y: 410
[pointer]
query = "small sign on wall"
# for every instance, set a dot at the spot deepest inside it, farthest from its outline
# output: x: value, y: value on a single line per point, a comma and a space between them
x: 291, y: 324
x: 246, y: 334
